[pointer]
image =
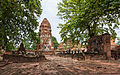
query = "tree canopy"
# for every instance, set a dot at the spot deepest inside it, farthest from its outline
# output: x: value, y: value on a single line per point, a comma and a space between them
x: 18, y: 20
x: 88, y: 18
x: 31, y: 45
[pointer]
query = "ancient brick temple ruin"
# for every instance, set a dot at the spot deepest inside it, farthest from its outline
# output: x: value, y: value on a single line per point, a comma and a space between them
x: 100, y: 44
x: 46, y: 36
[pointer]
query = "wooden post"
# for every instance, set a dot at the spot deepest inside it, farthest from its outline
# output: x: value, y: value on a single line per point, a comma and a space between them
x: 75, y: 51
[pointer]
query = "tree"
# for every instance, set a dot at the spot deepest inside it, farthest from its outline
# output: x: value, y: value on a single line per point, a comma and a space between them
x: 118, y: 42
x: 31, y: 44
x: 56, y: 44
x: 27, y: 43
x: 11, y: 46
x: 88, y: 18
x: 18, y: 20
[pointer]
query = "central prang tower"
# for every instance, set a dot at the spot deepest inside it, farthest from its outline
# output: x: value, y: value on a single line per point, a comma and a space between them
x: 46, y: 36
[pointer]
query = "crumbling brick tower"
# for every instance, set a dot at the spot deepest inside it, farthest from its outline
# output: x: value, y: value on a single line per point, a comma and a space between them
x: 46, y: 36
x: 101, y: 44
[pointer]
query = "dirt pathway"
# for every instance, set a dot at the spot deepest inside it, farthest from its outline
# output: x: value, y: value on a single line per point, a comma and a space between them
x: 56, y: 65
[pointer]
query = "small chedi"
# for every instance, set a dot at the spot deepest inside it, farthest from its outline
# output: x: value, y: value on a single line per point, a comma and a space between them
x: 45, y: 36
x: 21, y: 49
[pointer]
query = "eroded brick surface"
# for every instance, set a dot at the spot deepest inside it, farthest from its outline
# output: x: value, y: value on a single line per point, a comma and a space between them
x: 100, y: 44
x: 46, y: 36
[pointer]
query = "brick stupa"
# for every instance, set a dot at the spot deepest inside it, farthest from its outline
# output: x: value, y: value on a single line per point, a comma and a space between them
x: 46, y: 36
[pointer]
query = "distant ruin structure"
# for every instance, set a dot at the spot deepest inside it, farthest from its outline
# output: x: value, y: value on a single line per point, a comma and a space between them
x: 45, y: 36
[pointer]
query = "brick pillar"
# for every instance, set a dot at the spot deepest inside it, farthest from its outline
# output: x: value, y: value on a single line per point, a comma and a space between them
x: 108, y: 54
x: 50, y: 48
x: 107, y: 45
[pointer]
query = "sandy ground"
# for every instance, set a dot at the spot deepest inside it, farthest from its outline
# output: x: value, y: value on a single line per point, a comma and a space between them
x: 56, y: 65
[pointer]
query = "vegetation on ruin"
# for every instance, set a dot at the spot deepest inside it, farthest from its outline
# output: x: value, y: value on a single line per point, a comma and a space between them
x: 88, y: 18
x: 56, y: 44
x: 18, y: 21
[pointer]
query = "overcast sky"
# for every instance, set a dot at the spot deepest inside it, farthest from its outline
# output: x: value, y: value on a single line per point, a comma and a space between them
x: 50, y: 12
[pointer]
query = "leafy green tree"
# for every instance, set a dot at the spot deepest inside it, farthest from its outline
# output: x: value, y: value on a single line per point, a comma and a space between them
x: 10, y: 46
x: 29, y: 44
x: 18, y: 20
x: 88, y: 18
x: 33, y: 46
x: 56, y: 44
x: 118, y: 42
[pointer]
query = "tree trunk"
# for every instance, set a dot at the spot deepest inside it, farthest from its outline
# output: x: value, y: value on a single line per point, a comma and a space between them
x: 90, y: 33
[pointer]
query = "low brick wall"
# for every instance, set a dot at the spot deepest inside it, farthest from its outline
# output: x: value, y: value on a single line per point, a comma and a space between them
x: 21, y: 58
x: 48, y: 52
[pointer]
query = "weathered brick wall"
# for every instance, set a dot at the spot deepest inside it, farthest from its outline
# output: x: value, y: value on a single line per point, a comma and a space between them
x: 20, y: 58
x: 48, y: 52
x: 116, y: 53
x: 101, y: 44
